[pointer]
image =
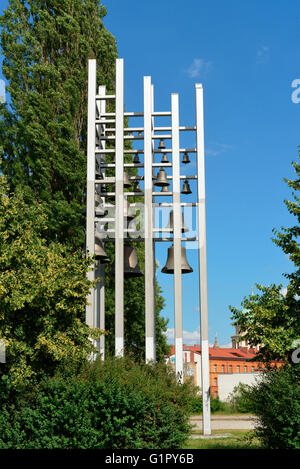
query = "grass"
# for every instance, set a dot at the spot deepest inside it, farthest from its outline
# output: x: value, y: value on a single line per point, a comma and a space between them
x: 240, y: 439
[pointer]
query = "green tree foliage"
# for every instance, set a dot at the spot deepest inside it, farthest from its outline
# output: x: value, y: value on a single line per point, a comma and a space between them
x: 43, y: 288
x: 271, y: 318
x: 275, y: 400
x: 117, y: 404
x: 46, y: 47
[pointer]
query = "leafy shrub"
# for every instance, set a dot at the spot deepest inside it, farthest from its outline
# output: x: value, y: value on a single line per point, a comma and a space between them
x: 117, y: 404
x: 276, y: 402
x: 240, y: 399
x: 215, y: 404
x: 43, y: 290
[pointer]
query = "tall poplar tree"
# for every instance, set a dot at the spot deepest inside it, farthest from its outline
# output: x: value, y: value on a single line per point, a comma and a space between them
x: 46, y: 45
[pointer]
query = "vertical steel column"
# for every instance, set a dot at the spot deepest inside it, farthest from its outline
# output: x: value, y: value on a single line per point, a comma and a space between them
x: 90, y: 187
x: 119, y: 214
x: 148, y: 187
x: 202, y: 260
x: 100, y: 287
x: 153, y: 242
x: 177, y: 237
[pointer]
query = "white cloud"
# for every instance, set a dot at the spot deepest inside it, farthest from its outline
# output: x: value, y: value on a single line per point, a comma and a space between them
x: 215, y: 149
x: 262, y: 54
x: 189, y: 338
x: 198, y: 66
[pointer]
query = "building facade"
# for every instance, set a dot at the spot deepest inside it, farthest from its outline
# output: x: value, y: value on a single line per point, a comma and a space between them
x: 239, y: 362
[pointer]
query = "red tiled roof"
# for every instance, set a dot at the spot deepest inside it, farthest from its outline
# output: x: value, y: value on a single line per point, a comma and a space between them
x: 219, y: 352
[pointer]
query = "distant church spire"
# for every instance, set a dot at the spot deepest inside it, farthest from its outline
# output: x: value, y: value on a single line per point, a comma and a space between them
x: 216, y: 345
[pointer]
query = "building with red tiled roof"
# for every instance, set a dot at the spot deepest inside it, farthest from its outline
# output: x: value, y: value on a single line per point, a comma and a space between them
x: 222, y: 361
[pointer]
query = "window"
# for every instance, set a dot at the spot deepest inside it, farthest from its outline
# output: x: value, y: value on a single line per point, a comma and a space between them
x: 238, y: 368
x: 216, y: 381
x: 223, y: 369
x: 252, y: 369
x: 215, y: 368
x: 230, y: 368
x: 245, y: 369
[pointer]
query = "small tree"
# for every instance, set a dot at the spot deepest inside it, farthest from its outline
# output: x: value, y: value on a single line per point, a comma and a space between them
x: 43, y: 289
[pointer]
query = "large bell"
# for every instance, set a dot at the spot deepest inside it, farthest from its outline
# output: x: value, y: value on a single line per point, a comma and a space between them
x: 98, y: 199
x: 186, y: 188
x: 128, y: 213
x: 161, y: 145
x: 100, y: 253
x: 136, y: 159
x: 170, y: 225
x: 131, y: 267
x: 169, y: 267
x: 165, y: 158
x: 127, y: 182
x: 161, y: 179
x: 185, y: 158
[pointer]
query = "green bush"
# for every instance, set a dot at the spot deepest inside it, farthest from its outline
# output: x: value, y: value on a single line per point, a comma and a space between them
x: 240, y: 399
x: 215, y: 404
x: 117, y: 404
x: 276, y: 402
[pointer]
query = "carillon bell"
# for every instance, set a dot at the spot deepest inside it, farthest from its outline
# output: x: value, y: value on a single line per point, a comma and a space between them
x: 131, y: 267
x: 127, y: 182
x: 98, y: 199
x: 185, y: 158
x: 169, y: 267
x: 161, y: 145
x: 161, y: 179
x: 100, y: 253
x: 170, y: 225
x: 164, y: 158
x: 128, y: 213
x: 186, y: 188
x: 136, y: 159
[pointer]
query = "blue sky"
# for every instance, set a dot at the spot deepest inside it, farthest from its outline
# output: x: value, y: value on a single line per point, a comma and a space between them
x: 246, y: 55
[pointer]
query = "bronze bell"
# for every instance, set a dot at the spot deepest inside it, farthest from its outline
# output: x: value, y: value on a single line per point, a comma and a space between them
x: 185, y: 158
x: 165, y: 189
x: 127, y: 182
x: 161, y: 179
x: 170, y: 225
x: 136, y: 159
x: 169, y: 267
x: 164, y: 158
x: 99, y: 209
x: 98, y: 199
x: 131, y: 267
x: 100, y: 253
x: 161, y: 145
x: 128, y: 213
x: 186, y: 188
